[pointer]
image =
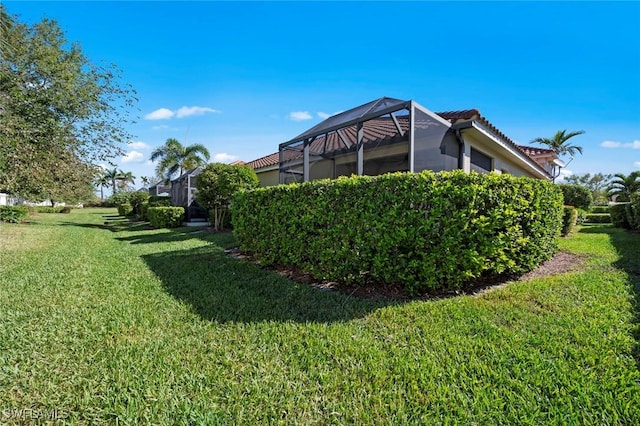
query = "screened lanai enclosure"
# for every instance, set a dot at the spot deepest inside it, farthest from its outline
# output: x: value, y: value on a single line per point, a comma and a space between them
x: 385, y: 135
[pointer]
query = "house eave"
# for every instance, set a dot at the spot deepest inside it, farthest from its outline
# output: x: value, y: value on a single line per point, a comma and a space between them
x: 523, y: 158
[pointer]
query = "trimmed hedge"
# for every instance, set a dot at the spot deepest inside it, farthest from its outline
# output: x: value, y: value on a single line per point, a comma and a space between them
x: 13, y: 214
x: 600, y: 209
x: 633, y: 214
x: 49, y: 209
x: 125, y: 209
x: 569, y: 220
x: 165, y: 217
x: 424, y: 231
x: 576, y: 195
x: 598, y: 218
x: 618, y: 213
x: 159, y: 201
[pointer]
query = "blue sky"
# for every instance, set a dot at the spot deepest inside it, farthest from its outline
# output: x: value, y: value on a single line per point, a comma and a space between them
x: 242, y: 77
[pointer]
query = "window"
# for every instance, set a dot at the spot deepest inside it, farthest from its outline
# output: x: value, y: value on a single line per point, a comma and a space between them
x: 480, y: 162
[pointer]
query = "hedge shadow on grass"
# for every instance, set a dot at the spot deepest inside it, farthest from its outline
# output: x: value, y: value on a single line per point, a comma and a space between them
x: 224, y: 289
x: 627, y: 244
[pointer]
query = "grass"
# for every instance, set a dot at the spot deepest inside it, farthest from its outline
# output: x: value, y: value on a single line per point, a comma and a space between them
x: 103, y: 321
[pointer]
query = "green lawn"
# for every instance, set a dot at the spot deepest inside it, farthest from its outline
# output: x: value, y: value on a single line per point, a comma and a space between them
x: 106, y: 321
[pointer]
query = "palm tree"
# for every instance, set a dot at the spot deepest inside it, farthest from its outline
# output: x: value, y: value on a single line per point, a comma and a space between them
x: 559, y: 143
x: 124, y: 178
x: 146, y: 180
x: 625, y: 186
x: 113, y: 175
x: 176, y: 158
x: 102, y: 180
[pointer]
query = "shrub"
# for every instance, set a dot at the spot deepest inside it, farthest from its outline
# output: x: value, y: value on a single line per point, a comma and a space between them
x: 65, y: 209
x: 582, y: 216
x: 13, y: 214
x: 216, y: 186
x: 576, y: 195
x: 118, y: 198
x: 49, y: 209
x: 159, y: 201
x: 424, y: 231
x: 125, y: 209
x: 618, y: 213
x: 598, y: 218
x: 633, y: 214
x: 165, y: 217
x: 569, y: 220
x: 136, y: 199
x: 600, y: 209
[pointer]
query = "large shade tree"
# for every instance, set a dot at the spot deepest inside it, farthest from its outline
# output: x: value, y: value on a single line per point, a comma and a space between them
x: 174, y: 158
x: 560, y: 142
x: 59, y: 112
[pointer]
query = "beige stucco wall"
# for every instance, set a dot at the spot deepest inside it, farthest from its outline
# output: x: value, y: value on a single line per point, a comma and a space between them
x: 501, y: 162
x: 268, y: 177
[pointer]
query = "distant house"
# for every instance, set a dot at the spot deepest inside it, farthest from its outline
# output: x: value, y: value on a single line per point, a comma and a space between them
x: 388, y: 135
x: 160, y: 189
x: 183, y: 191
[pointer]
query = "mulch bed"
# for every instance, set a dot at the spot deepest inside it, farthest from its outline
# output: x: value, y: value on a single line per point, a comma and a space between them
x: 562, y: 262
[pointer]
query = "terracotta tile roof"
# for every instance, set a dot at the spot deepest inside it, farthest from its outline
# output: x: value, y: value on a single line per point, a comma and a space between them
x: 266, y: 161
x: 383, y: 129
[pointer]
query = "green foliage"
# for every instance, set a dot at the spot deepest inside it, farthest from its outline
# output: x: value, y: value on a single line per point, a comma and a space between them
x: 596, y: 183
x: 582, y: 216
x: 217, y: 183
x: 576, y: 196
x: 625, y: 187
x: 618, y: 213
x: 136, y: 199
x: 49, y: 209
x: 159, y: 201
x: 165, y: 217
x: 560, y: 142
x: 598, y: 218
x: 424, y: 231
x: 125, y: 209
x: 13, y: 214
x: 569, y: 220
x: 61, y: 114
x: 174, y: 158
x: 599, y: 209
x: 632, y: 211
x: 118, y: 198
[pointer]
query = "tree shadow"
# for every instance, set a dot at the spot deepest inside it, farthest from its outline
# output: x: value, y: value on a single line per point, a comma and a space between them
x: 223, y: 289
x: 627, y: 245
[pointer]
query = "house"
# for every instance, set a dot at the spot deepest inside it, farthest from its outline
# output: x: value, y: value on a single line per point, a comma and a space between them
x: 183, y: 190
x: 160, y: 189
x: 388, y: 135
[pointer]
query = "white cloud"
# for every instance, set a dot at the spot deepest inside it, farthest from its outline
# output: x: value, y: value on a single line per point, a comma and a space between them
x: 223, y: 157
x: 161, y: 127
x: 613, y: 144
x: 563, y: 174
x: 138, y: 145
x: 637, y: 164
x: 159, y: 114
x: 299, y: 115
x: 186, y: 111
x: 133, y: 157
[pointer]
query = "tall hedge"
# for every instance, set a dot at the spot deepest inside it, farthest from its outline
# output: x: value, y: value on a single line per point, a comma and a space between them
x: 13, y: 214
x: 425, y: 231
x: 165, y: 217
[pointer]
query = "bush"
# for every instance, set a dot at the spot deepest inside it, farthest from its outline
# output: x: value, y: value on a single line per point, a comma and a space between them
x: 618, y: 213
x: 159, y: 201
x: 125, y: 209
x: 633, y: 214
x: 49, y: 209
x: 582, y: 216
x: 13, y: 214
x: 577, y: 196
x: 65, y: 209
x: 217, y: 183
x: 598, y: 218
x: 600, y: 209
x: 118, y: 198
x: 136, y: 199
x: 424, y: 231
x: 569, y: 220
x: 165, y: 217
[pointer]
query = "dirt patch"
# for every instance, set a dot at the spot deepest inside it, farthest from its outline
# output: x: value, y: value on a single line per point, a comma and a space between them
x: 562, y: 262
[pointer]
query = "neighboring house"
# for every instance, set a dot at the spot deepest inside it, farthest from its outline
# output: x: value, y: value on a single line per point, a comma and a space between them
x: 388, y: 135
x: 160, y: 189
x: 183, y: 191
